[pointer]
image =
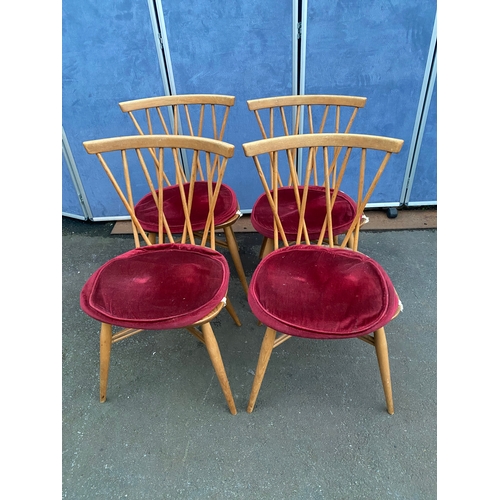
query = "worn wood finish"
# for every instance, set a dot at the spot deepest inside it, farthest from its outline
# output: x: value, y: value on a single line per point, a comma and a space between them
x: 366, y: 154
x: 120, y: 158
x: 195, y: 115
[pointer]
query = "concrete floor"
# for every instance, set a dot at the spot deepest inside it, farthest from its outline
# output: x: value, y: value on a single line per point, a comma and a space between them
x: 319, y: 429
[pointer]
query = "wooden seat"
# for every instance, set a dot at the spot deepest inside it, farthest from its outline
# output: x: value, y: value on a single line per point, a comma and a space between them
x: 320, y: 290
x: 293, y: 115
x: 199, y: 115
x: 167, y: 284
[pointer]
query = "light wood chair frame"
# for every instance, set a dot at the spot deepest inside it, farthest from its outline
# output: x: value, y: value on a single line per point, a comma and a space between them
x: 306, y: 108
x: 216, y: 155
x: 318, y: 144
x: 175, y: 111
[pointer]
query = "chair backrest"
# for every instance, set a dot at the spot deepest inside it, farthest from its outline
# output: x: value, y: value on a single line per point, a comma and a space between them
x: 367, y: 153
x: 298, y: 114
x: 136, y: 165
x: 181, y: 114
x: 196, y: 115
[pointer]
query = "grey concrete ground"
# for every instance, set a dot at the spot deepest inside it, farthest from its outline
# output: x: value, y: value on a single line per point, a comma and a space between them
x: 319, y: 429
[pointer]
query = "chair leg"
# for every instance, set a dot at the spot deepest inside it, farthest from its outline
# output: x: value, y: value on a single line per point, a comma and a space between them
x: 214, y: 353
x: 383, y: 363
x: 262, y: 246
x: 105, y: 355
x: 265, y: 353
x: 232, y: 312
x: 266, y: 247
x: 350, y: 243
x: 235, y: 254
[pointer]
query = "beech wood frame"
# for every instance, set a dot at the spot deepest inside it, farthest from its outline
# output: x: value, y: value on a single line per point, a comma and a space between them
x: 174, y: 106
x: 302, y: 108
x: 315, y: 142
x: 215, y: 169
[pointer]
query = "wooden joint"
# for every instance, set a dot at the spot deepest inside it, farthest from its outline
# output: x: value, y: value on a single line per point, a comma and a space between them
x: 123, y: 334
x: 282, y: 338
x: 368, y: 339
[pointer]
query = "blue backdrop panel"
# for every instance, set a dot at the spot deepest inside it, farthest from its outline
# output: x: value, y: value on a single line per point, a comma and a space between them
x: 70, y: 201
x: 424, y: 186
x: 236, y: 48
x: 108, y: 56
x: 379, y: 50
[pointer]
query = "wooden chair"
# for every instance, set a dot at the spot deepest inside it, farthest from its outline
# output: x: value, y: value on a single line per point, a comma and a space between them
x: 322, y: 291
x: 197, y: 115
x: 297, y: 114
x: 165, y: 285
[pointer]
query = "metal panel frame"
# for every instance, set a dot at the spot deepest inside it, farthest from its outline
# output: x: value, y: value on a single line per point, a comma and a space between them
x: 420, y: 122
x: 73, y: 171
x: 161, y: 43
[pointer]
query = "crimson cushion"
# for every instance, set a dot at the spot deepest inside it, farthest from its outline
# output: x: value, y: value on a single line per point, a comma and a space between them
x: 225, y: 207
x: 321, y: 292
x: 157, y: 287
x: 344, y: 211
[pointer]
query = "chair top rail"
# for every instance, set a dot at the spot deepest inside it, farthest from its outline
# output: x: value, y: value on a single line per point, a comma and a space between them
x: 318, y: 140
x: 173, y: 100
x: 163, y: 141
x: 298, y: 100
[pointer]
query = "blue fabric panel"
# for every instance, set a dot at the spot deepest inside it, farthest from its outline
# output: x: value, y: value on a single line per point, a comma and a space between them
x: 377, y: 49
x: 70, y: 202
x: 108, y: 56
x: 236, y: 48
x: 424, y: 186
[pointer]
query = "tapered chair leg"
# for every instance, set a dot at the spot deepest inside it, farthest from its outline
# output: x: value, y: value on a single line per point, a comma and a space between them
x: 383, y: 363
x: 235, y: 255
x: 105, y: 355
x: 216, y: 358
x: 266, y: 247
x: 265, y: 353
x: 350, y: 243
x: 232, y: 312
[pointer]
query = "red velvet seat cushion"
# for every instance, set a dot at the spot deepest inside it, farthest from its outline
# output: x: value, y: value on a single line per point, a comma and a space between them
x: 321, y: 292
x: 225, y: 208
x: 157, y: 287
x: 344, y: 211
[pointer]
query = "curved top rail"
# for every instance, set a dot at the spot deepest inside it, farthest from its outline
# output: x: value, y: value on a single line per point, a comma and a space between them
x: 159, y: 141
x: 298, y: 100
x: 381, y: 143
x: 172, y: 100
